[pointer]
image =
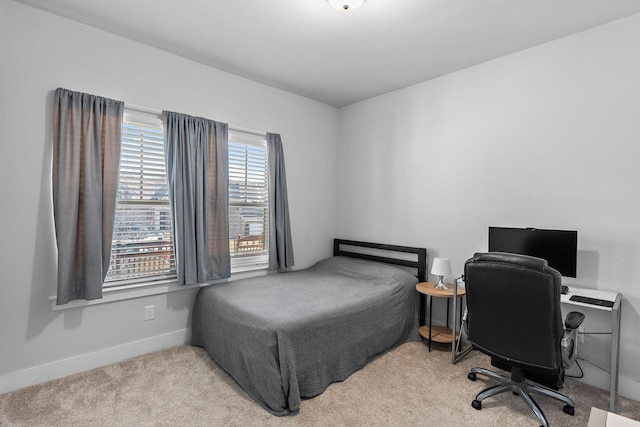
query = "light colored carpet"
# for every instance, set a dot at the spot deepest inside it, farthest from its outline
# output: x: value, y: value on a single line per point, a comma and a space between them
x: 183, y: 386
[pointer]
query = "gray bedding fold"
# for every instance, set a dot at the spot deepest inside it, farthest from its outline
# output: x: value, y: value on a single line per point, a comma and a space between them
x: 287, y: 336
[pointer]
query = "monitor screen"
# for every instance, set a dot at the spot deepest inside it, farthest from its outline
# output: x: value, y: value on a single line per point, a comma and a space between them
x: 558, y: 247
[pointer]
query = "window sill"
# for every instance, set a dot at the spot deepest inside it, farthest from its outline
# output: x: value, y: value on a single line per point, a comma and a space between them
x: 140, y: 290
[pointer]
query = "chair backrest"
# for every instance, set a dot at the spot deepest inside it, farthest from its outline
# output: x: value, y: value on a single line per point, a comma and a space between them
x: 513, y: 304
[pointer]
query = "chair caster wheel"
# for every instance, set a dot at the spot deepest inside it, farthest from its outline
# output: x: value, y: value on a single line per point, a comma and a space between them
x: 471, y: 376
x: 476, y: 404
x: 568, y: 409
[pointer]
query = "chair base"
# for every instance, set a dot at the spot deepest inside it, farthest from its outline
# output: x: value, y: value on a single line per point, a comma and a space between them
x: 520, y: 387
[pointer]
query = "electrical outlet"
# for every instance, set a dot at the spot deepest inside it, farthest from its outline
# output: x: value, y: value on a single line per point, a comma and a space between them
x: 149, y: 312
x: 581, y: 334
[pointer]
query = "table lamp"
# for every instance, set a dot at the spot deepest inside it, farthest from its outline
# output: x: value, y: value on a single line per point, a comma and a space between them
x: 441, y: 267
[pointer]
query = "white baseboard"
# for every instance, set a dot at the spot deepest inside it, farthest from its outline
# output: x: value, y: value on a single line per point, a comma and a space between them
x: 84, y: 362
x: 629, y: 388
x: 597, y: 377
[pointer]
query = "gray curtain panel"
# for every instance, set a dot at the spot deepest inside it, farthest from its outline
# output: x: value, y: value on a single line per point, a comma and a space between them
x: 196, y: 155
x: 87, y: 133
x: 280, y: 245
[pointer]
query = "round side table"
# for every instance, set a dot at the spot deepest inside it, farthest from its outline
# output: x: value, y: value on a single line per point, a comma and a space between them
x: 437, y: 333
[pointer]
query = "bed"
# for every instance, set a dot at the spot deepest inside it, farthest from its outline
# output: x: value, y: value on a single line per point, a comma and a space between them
x: 287, y: 336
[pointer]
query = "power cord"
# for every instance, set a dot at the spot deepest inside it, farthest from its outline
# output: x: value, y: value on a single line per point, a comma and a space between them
x: 576, y: 376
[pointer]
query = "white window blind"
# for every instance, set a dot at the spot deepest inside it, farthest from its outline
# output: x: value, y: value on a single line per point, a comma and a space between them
x: 248, y: 201
x: 142, y: 245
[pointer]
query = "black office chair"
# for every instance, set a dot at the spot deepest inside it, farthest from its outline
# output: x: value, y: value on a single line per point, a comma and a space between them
x: 513, y: 304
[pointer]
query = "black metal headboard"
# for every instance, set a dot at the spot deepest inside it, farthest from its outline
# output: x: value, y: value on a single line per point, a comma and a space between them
x: 420, y: 264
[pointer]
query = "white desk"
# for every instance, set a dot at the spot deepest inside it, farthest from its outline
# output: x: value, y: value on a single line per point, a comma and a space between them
x: 616, y: 298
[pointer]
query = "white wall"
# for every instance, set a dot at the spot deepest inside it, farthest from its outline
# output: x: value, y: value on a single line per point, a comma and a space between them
x: 547, y: 138
x: 40, y: 52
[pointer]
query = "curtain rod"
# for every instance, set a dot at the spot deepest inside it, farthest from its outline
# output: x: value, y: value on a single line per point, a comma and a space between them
x: 158, y: 113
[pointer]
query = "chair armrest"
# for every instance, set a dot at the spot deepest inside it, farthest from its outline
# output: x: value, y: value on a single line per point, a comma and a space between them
x: 573, y: 320
x: 569, y: 345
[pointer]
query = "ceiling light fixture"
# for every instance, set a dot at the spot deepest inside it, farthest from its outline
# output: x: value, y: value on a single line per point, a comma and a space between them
x: 345, y: 6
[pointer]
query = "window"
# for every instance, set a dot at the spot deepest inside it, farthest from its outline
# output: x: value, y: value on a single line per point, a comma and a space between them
x: 142, y: 244
x: 248, y: 201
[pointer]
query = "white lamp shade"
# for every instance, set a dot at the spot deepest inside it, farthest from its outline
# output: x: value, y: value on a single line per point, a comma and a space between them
x: 441, y: 267
x: 345, y: 6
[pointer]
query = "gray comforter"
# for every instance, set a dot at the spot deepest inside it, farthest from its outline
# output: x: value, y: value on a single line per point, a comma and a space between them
x: 288, y: 336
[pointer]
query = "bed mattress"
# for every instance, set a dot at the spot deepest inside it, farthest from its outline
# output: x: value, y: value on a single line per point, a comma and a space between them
x: 287, y: 336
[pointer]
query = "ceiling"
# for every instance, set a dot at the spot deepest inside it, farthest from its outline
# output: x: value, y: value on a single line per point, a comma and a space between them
x: 307, y: 48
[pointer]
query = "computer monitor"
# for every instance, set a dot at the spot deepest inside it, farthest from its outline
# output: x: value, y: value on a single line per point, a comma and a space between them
x: 558, y: 247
